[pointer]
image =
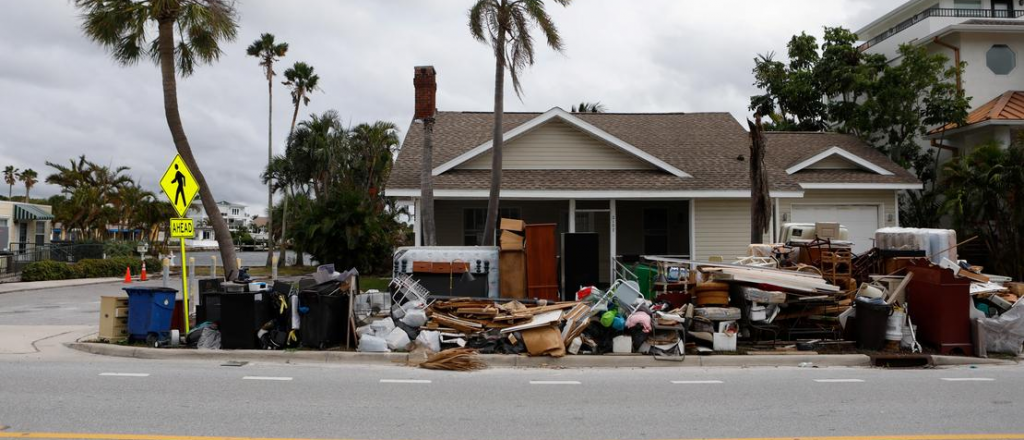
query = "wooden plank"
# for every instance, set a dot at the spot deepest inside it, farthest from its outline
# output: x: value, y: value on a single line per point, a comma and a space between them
x: 512, y: 274
x: 541, y: 262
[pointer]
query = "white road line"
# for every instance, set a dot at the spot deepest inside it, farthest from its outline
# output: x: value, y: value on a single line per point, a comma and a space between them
x: 281, y: 378
x: 125, y: 374
x: 838, y: 380
x: 695, y: 382
x: 968, y: 379
x: 554, y: 382
x: 405, y: 381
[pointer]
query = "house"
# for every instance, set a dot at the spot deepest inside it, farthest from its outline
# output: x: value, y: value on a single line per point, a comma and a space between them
x: 24, y: 226
x: 647, y: 183
x: 235, y: 214
x: 988, y: 35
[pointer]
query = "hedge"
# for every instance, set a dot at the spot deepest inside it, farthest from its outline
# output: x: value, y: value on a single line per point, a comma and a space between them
x: 87, y: 268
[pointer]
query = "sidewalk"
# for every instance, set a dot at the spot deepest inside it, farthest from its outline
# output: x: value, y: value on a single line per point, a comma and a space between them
x: 507, y: 361
x: 42, y: 285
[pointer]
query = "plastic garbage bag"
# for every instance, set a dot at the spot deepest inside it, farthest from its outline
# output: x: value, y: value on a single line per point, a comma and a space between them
x: 430, y: 339
x: 209, y: 339
x: 398, y: 339
x: 1005, y: 333
x: 415, y: 318
x: 383, y: 327
x: 372, y: 344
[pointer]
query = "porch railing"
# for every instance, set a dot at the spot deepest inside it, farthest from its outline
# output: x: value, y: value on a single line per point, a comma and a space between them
x: 940, y: 12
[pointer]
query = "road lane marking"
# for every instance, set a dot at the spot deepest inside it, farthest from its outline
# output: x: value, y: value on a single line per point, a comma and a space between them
x: 555, y: 382
x: 695, y: 382
x: 93, y: 436
x: 968, y: 379
x: 125, y: 374
x: 405, y: 381
x: 838, y: 380
x: 281, y: 378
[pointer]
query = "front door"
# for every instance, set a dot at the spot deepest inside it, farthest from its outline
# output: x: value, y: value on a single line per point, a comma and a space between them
x: 1002, y: 8
x: 22, y: 237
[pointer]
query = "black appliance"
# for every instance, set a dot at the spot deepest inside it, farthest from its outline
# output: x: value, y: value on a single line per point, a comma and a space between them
x: 241, y: 316
x: 580, y: 262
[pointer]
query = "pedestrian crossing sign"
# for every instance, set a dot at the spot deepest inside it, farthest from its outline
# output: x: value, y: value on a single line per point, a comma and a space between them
x: 179, y: 186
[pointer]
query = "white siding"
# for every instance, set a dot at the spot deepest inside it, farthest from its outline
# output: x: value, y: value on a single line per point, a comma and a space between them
x: 556, y: 145
x: 722, y: 228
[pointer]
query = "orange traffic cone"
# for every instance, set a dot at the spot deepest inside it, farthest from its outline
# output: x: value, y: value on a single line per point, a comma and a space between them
x: 143, y: 276
x: 128, y: 275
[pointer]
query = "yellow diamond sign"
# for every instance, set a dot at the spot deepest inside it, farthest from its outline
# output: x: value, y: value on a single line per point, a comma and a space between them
x: 179, y: 185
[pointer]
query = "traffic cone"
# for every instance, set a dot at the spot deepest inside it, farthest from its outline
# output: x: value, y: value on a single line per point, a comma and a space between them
x: 128, y: 275
x: 143, y: 276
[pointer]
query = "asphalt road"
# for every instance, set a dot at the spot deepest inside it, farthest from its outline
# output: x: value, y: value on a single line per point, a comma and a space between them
x: 78, y: 305
x: 92, y: 394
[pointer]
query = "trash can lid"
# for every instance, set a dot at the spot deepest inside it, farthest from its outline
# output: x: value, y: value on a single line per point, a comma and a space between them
x: 148, y: 289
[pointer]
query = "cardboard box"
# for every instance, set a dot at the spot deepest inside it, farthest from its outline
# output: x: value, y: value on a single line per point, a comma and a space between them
x: 510, y: 241
x: 511, y: 224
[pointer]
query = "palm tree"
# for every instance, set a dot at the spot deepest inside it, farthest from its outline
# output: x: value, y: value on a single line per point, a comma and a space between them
x: 589, y: 107
x: 506, y: 25
x: 302, y: 81
x: 121, y: 26
x: 268, y: 52
x: 30, y: 178
x: 10, y: 177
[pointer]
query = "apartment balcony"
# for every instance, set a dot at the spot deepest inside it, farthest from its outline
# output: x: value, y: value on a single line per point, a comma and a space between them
x: 949, y: 16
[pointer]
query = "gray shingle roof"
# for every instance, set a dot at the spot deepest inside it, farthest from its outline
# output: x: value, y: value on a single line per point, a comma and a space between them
x: 704, y: 145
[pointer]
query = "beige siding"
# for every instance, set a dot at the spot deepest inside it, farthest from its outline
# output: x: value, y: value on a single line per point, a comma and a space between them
x: 834, y: 162
x: 557, y: 145
x: 722, y: 228
x: 884, y: 198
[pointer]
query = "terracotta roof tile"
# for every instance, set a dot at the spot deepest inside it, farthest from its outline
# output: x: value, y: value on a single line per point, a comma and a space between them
x: 1006, y: 107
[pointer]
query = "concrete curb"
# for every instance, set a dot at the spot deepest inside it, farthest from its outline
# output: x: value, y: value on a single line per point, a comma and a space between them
x: 21, y: 286
x: 492, y: 360
x: 946, y: 361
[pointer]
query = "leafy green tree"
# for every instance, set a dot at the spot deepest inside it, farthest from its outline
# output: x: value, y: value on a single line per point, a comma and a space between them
x: 189, y: 33
x: 505, y: 25
x: 10, y: 178
x: 268, y: 52
x: 302, y: 81
x: 29, y: 177
x: 984, y: 190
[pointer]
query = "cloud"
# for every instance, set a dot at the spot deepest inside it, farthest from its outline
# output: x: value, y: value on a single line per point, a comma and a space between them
x: 63, y: 96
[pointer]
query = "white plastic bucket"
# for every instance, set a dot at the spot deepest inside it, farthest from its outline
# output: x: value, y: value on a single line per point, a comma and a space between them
x: 894, y: 330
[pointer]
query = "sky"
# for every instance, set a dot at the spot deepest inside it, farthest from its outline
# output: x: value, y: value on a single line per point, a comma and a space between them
x: 61, y: 95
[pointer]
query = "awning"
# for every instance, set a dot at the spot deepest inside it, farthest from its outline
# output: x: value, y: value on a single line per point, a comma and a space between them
x: 30, y: 212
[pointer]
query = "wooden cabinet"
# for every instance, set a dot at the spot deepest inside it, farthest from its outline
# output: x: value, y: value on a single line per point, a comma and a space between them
x: 541, y: 262
x: 512, y: 272
x: 113, y: 318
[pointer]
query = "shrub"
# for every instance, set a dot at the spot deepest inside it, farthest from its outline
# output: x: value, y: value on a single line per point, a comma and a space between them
x: 154, y: 265
x: 47, y: 270
x: 111, y: 267
x: 120, y: 248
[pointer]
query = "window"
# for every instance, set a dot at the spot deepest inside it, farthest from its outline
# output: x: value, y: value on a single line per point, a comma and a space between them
x: 967, y: 4
x: 656, y: 231
x: 1001, y: 60
x: 40, y: 233
x: 234, y: 211
x: 474, y: 219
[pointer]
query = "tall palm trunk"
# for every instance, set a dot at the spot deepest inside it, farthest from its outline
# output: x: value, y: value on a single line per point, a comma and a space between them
x: 284, y: 210
x: 496, y: 139
x: 165, y: 40
x: 427, y: 185
x: 270, y: 157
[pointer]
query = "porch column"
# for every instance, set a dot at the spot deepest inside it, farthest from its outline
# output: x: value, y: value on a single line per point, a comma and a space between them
x: 611, y: 238
x: 418, y: 241
x: 572, y: 215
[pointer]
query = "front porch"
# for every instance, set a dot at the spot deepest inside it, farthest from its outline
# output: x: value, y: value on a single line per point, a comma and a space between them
x: 626, y: 228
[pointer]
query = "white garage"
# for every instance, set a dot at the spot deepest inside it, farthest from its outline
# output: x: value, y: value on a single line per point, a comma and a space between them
x: 860, y: 220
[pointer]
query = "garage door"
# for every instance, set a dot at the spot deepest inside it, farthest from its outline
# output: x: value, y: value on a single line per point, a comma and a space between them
x: 860, y: 220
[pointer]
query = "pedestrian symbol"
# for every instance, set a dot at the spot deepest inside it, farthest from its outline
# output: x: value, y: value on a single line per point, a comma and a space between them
x: 179, y: 185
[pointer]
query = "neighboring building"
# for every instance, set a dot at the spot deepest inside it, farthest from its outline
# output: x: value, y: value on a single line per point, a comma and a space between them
x: 661, y: 184
x: 258, y: 228
x: 24, y: 226
x: 235, y: 214
x: 986, y: 34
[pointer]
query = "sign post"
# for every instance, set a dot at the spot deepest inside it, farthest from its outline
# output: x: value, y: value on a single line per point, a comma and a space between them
x: 181, y: 188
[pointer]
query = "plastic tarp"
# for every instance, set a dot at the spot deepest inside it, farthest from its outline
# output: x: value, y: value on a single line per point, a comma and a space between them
x: 1005, y: 334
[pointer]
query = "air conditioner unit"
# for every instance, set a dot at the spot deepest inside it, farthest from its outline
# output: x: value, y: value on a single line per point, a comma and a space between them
x: 806, y: 232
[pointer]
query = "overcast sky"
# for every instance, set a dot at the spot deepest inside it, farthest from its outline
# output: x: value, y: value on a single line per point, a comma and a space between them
x: 61, y: 95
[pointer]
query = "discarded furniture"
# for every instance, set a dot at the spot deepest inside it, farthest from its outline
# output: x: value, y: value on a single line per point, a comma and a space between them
x: 451, y: 270
x: 580, y: 262
x: 512, y: 272
x: 114, y: 318
x: 940, y: 306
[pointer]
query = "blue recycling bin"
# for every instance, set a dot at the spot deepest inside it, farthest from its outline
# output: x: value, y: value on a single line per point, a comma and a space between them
x: 150, y: 310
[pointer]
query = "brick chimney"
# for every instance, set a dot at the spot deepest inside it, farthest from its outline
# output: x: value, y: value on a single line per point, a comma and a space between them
x: 425, y: 80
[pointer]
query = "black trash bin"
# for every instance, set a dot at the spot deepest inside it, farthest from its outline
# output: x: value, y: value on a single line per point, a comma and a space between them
x: 241, y: 316
x: 323, y: 316
x: 872, y: 321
